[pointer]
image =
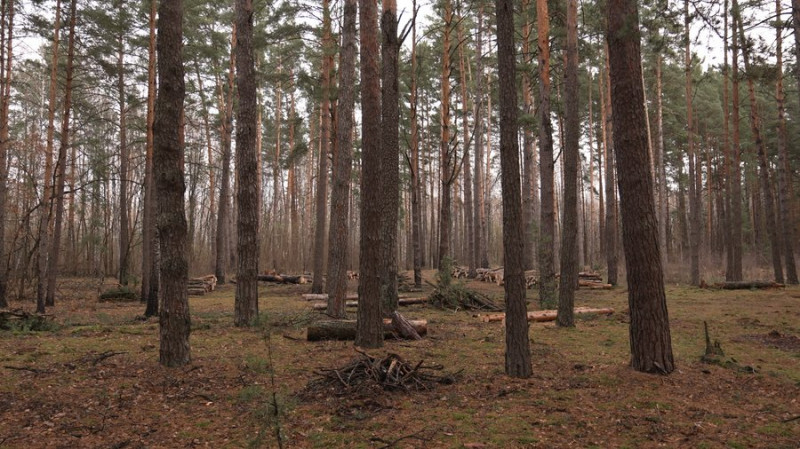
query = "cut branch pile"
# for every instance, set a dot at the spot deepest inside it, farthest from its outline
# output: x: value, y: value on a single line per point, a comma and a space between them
x: 20, y: 319
x: 202, y: 285
x: 391, y: 373
x: 456, y: 297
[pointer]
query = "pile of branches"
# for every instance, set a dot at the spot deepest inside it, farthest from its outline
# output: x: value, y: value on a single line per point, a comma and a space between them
x: 391, y: 373
x: 458, y: 297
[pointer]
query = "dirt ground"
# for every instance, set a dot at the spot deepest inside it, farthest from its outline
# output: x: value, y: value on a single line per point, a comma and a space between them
x: 93, y: 380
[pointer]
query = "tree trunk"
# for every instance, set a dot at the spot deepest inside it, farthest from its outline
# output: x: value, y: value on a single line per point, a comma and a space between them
x: 342, y: 168
x: 694, y: 193
x: 124, y: 162
x: 347, y: 329
x: 149, y: 239
x: 174, y: 322
x: 755, y: 126
x: 569, y: 234
x: 479, y: 242
x: 4, y: 137
x: 247, y: 192
x: 61, y: 164
x: 47, y: 192
x: 784, y: 169
x: 547, y: 283
x: 734, y: 270
x: 518, y: 354
x: 325, y: 135
x: 465, y: 136
x: 651, y: 346
x: 446, y: 168
x: 370, y: 332
x: 528, y: 211
x: 416, y: 207
x: 224, y: 205
x: 390, y: 149
x: 663, y: 198
x: 611, y: 197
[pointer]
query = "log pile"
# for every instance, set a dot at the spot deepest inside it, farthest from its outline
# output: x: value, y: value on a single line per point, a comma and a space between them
x: 352, y: 275
x: 592, y: 280
x: 545, y: 315
x: 202, y: 285
x: 284, y: 278
x: 324, y: 296
x: 346, y: 329
x: 365, y: 372
x: 352, y: 304
x: 460, y: 272
x: 490, y: 275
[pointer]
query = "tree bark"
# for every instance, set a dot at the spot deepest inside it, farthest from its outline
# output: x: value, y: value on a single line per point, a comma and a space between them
x: 47, y: 192
x: 416, y: 207
x: 446, y: 152
x: 325, y: 135
x: 518, y: 354
x: 224, y: 205
x: 5, y: 74
x: 479, y: 242
x: 174, y: 321
x: 61, y: 164
x: 149, y: 238
x: 247, y: 192
x: 528, y: 167
x: 569, y: 234
x: 547, y: 283
x: 651, y: 346
x: 694, y: 193
x: 755, y: 126
x: 390, y: 149
x: 784, y: 169
x: 611, y: 227
x: 124, y: 161
x: 734, y: 270
x: 370, y: 332
x: 342, y: 168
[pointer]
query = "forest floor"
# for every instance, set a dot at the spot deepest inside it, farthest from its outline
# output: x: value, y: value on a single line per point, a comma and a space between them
x: 93, y: 379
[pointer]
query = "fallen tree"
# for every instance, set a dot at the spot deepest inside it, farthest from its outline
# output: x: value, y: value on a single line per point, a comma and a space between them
x: 284, y: 278
x: 546, y: 315
x: 747, y: 285
x: 353, y: 304
x: 324, y: 296
x: 346, y: 329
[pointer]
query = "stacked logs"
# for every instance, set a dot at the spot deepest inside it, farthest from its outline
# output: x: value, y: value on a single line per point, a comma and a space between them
x: 201, y: 285
x: 284, y: 278
x: 592, y: 280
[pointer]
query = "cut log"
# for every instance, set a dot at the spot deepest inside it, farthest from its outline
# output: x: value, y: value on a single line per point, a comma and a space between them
x: 747, y: 285
x: 403, y: 327
x: 594, y: 285
x: 197, y: 291
x: 401, y: 301
x: 346, y: 329
x: 119, y: 294
x: 283, y: 278
x: 546, y: 315
x: 324, y: 296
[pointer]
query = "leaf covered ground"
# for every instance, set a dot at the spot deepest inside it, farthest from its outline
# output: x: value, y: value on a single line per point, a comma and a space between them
x: 92, y: 380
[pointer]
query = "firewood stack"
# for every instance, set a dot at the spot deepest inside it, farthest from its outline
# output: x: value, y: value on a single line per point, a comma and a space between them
x: 202, y: 285
x: 352, y: 275
x: 592, y: 280
x: 460, y: 272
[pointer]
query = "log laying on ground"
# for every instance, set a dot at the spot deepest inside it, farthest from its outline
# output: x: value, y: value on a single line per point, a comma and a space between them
x: 594, y: 285
x: 401, y: 301
x: 747, y: 285
x: 196, y: 291
x: 352, y: 275
x: 546, y: 315
x: 590, y: 276
x: 324, y: 296
x: 460, y: 272
x: 284, y: 278
x: 346, y: 329
x: 119, y: 294
x: 207, y: 283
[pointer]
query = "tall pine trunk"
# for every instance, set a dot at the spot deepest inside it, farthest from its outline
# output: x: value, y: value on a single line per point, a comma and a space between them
x: 61, y: 164
x: 149, y: 238
x: 569, y: 234
x: 651, y: 346
x: 446, y: 168
x: 342, y: 168
x: 247, y: 191
x: 547, y: 282
x: 518, y: 354
x: 390, y: 149
x: 370, y: 323
x: 174, y: 321
x: 224, y: 204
